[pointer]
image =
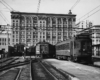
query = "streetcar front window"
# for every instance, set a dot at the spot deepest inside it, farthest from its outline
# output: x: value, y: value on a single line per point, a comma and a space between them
x: 86, y: 46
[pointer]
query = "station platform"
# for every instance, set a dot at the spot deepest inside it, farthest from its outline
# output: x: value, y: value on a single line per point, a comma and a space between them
x: 82, y: 72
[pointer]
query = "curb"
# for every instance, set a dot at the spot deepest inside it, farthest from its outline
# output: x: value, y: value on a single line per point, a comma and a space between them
x: 71, y: 76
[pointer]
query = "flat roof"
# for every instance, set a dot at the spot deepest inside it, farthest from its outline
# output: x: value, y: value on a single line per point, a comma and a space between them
x: 33, y: 13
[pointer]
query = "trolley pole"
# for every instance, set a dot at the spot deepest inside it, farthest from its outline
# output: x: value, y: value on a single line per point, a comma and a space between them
x: 8, y: 41
x: 73, y: 49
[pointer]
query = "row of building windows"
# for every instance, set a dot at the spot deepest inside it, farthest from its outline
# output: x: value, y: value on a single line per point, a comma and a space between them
x: 43, y: 28
x: 29, y: 33
x: 40, y: 25
x: 3, y: 41
x: 95, y: 42
x: 42, y: 34
x: 40, y: 22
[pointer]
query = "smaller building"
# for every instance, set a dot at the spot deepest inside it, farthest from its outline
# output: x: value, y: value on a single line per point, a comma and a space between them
x: 5, y: 37
x: 84, y: 24
x: 96, y: 39
x: 3, y: 42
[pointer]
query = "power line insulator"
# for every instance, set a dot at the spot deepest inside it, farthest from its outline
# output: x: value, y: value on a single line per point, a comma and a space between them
x: 69, y: 12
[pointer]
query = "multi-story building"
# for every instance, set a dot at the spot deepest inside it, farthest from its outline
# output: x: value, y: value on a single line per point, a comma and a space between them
x: 96, y: 34
x: 5, y: 28
x: 83, y: 25
x: 31, y: 28
x: 5, y: 37
x: 5, y: 41
x: 96, y: 39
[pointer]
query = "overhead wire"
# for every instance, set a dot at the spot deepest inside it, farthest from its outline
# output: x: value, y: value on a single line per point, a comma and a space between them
x: 8, y: 5
x: 5, y: 5
x: 75, y: 4
x: 89, y: 12
x: 89, y: 16
x: 4, y: 17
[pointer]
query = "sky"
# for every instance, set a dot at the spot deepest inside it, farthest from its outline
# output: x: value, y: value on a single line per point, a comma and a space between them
x: 53, y: 6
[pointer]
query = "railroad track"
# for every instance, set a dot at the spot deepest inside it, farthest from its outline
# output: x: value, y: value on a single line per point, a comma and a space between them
x: 12, y: 74
x: 42, y: 71
x: 6, y: 67
x: 18, y: 73
x: 5, y: 59
x: 5, y: 63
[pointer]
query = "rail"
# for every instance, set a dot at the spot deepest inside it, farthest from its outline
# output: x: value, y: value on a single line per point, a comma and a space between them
x: 18, y: 74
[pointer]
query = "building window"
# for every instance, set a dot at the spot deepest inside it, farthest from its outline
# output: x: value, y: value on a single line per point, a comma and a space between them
x: 13, y: 21
x: 28, y: 33
x: 16, y: 24
x: 43, y: 36
x: 59, y: 20
x: 5, y: 43
x: 13, y: 24
x: 13, y: 32
x: 13, y: 40
x: 16, y: 32
x: 5, y: 39
x: 92, y: 40
x: 16, y: 40
x: 64, y: 21
x: 54, y: 21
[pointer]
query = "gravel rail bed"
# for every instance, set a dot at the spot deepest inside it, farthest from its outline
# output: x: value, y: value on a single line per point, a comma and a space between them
x: 13, y: 65
x: 56, y: 72
x: 10, y: 75
x: 39, y: 73
x: 5, y: 59
x: 25, y: 74
x: 7, y: 62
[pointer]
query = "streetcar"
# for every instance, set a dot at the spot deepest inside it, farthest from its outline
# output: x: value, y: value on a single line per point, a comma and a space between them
x: 78, y: 49
x: 45, y: 50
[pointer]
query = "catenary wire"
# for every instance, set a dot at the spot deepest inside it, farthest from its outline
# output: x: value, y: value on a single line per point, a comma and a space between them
x: 8, y: 5
x: 89, y: 15
x: 5, y: 5
x: 89, y: 12
x: 75, y: 4
x: 4, y: 17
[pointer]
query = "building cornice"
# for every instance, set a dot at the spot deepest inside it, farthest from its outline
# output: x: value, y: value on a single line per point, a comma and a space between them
x: 49, y: 14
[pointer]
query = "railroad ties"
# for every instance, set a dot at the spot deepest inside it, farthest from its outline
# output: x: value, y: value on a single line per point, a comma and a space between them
x: 34, y: 70
x: 43, y: 71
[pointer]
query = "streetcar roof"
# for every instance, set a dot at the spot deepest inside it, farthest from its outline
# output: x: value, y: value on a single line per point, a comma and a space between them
x: 42, y: 43
x: 67, y: 41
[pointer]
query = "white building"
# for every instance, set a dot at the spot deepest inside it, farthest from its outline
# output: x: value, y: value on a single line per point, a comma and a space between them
x: 84, y: 24
x: 96, y: 34
x: 51, y: 28
x: 5, y: 37
x: 96, y: 39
